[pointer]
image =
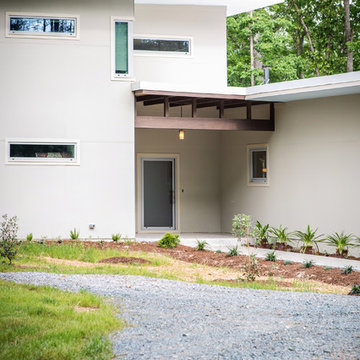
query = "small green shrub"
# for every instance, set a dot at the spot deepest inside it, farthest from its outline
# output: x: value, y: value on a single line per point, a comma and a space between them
x: 29, y: 237
x: 348, y: 270
x: 355, y: 290
x: 74, y: 234
x: 341, y: 241
x: 308, y: 264
x: 116, y: 237
x: 169, y: 240
x: 233, y: 251
x: 270, y: 256
x: 327, y: 268
x: 218, y: 251
x: 9, y: 243
x: 201, y: 245
x: 250, y: 270
x: 281, y: 235
x: 287, y: 262
x: 260, y: 232
x: 309, y: 239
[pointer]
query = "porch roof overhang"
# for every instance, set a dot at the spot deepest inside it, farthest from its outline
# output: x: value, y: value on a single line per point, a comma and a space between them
x: 200, y: 100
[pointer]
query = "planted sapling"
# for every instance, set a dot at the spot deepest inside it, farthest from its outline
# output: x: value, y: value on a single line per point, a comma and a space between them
x: 74, y: 234
x: 201, y: 244
x: 116, y: 237
x: 348, y: 270
x: 270, y: 256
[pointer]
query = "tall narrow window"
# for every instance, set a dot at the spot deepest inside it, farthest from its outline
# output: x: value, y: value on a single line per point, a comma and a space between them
x: 258, y: 164
x: 123, y: 47
x: 33, y: 25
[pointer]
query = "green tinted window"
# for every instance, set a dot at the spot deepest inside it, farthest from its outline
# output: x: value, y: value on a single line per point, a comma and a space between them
x: 121, y: 48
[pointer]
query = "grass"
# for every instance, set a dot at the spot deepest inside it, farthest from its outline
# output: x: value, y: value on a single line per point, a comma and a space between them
x: 76, y: 259
x: 42, y: 323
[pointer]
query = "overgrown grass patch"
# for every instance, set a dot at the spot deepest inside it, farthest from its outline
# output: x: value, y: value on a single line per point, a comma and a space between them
x: 42, y: 323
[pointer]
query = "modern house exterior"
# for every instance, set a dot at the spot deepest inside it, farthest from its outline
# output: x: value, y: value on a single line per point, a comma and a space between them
x: 96, y: 95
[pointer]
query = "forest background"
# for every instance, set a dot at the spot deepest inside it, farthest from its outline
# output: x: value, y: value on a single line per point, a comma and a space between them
x: 296, y: 39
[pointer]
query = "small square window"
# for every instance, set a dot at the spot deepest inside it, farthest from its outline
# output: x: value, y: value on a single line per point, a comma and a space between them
x: 258, y: 167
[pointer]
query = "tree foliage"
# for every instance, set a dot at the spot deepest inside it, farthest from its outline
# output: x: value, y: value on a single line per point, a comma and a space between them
x: 293, y: 51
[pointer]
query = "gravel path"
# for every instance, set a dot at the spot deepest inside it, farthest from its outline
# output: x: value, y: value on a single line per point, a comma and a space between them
x: 176, y: 320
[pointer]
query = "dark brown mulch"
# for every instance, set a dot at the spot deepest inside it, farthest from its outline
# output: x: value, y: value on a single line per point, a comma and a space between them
x: 266, y: 268
x: 124, y: 260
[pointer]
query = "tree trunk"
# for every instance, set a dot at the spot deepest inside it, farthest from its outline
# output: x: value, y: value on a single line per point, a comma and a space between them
x: 348, y: 38
x: 307, y: 33
x: 252, y: 62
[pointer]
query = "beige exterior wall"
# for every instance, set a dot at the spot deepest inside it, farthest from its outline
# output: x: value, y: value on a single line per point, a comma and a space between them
x: 61, y: 89
x: 199, y: 155
x: 206, y: 25
x: 314, y: 168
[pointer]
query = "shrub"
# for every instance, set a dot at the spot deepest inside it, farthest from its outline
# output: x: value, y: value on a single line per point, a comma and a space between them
x: 9, y: 244
x: 287, y: 262
x: 74, y: 234
x: 260, y: 232
x: 116, y: 237
x: 201, y: 244
x: 218, y: 251
x: 29, y: 237
x: 270, y: 256
x: 169, y: 240
x: 341, y: 241
x: 327, y: 268
x: 308, y: 264
x: 309, y: 239
x: 348, y: 270
x: 355, y: 290
x: 233, y: 251
x: 281, y: 235
x: 251, y: 271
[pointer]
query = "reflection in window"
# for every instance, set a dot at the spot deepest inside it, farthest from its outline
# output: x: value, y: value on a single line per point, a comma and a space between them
x: 258, y: 165
x: 162, y: 45
x: 42, y: 25
x: 42, y: 152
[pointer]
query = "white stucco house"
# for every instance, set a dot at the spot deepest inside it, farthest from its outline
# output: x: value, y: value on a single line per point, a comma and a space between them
x: 95, y: 95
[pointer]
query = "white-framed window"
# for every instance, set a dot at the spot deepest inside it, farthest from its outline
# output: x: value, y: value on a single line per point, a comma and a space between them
x: 32, y: 25
x: 159, y: 45
x: 121, y: 48
x: 258, y: 164
x: 42, y: 151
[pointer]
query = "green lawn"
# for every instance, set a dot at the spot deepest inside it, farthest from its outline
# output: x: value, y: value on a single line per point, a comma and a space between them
x: 43, y: 323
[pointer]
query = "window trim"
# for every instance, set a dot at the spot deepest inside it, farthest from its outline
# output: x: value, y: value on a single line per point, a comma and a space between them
x: 250, y: 181
x: 42, y: 161
x: 165, y: 53
x: 130, y: 74
x: 52, y: 36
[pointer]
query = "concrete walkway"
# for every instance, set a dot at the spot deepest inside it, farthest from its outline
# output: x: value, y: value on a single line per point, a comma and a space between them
x: 224, y: 242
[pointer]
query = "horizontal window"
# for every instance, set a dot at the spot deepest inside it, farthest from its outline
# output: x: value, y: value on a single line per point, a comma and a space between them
x: 122, y: 49
x: 258, y: 164
x: 42, y: 152
x: 37, y: 25
x: 180, y: 46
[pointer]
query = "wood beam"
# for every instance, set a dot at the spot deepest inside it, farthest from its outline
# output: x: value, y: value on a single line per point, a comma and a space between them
x: 221, y: 109
x: 166, y: 106
x: 158, y: 122
x: 194, y: 108
x: 248, y: 110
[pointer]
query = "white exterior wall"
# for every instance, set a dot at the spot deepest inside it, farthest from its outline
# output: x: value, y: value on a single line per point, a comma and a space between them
x: 314, y: 168
x: 61, y: 89
x: 206, y: 25
x: 199, y: 155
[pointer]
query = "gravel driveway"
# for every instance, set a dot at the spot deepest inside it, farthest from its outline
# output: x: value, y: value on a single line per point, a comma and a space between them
x: 177, y: 320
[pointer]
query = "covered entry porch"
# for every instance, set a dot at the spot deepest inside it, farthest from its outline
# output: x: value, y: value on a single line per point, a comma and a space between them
x: 180, y: 185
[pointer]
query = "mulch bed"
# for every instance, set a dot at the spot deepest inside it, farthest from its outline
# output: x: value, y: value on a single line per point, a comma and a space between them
x: 266, y: 268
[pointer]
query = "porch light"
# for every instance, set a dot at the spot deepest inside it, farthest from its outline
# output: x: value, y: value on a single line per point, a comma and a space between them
x: 181, y: 135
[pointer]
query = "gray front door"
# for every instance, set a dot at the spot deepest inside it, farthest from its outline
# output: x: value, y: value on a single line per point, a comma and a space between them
x: 158, y: 193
